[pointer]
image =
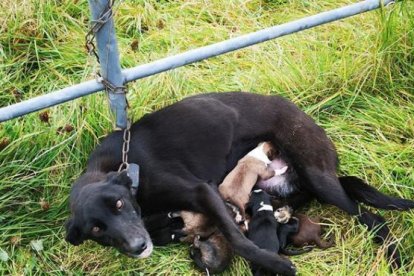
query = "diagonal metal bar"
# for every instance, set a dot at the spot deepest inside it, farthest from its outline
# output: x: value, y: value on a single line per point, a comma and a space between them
x: 165, y: 64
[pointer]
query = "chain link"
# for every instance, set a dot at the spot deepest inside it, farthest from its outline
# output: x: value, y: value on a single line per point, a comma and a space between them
x: 91, y: 48
x: 125, y: 147
x: 95, y: 27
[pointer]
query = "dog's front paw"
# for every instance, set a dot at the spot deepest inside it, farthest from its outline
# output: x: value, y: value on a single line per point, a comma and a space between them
x: 287, y: 268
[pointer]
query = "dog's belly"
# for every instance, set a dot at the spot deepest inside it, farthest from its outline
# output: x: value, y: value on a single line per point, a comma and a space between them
x: 278, y: 185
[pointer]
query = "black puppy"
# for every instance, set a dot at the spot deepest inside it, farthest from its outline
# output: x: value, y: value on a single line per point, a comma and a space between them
x: 265, y: 231
x: 183, y: 147
x: 263, y: 226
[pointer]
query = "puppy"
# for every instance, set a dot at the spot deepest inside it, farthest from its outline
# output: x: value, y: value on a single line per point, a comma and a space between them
x: 284, y: 232
x: 195, y: 224
x: 309, y: 233
x: 237, y: 185
x: 213, y: 254
x: 288, y: 226
x: 300, y: 230
x: 262, y: 226
x: 164, y: 228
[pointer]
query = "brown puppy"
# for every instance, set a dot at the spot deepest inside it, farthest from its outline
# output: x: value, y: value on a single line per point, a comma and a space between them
x: 238, y: 184
x: 195, y: 225
x: 213, y: 254
x: 309, y: 233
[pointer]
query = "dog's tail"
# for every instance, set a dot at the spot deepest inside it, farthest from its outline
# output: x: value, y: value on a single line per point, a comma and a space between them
x: 360, y: 191
x: 293, y: 252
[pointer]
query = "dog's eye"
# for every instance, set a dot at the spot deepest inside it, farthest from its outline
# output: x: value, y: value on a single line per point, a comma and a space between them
x: 119, y: 204
x: 96, y: 229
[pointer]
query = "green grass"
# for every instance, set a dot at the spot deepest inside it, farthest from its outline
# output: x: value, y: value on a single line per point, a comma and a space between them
x: 355, y: 77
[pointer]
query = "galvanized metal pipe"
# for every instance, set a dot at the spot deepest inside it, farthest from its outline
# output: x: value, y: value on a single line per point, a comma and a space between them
x: 165, y: 64
x: 109, y: 59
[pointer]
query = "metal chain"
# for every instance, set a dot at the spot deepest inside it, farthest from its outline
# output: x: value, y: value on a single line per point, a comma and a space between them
x: 91, y: 48
x: 95, y: 27
x: 109, y: 87
x: 125, y: 147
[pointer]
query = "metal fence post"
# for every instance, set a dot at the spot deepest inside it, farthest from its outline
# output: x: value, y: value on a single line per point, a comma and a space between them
x: 109, y: 59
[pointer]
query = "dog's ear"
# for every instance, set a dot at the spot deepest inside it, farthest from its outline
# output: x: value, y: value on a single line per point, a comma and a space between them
x: 121, y: 178
x: 73, y: 233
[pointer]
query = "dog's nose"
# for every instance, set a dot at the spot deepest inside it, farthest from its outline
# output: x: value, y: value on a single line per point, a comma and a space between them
x: 137, y: 245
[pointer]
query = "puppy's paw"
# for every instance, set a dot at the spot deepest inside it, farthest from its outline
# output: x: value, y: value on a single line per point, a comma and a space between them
x: 238, y: 218
x: 283, y: 214
x: 179, y: 235
x: 246, y: 226
x: 174, y: 214
x: 235, y: 211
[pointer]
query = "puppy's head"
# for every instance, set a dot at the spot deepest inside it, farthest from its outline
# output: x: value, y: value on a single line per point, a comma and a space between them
x: 213, y: 253
x: 106, y: 212
x: 270, y: 151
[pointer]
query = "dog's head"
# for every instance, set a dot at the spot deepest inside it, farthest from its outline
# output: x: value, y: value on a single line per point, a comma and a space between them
x: 107, y: 212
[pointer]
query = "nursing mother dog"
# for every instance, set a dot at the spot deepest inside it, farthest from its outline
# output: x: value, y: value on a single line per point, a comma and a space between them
x: 186, y: 148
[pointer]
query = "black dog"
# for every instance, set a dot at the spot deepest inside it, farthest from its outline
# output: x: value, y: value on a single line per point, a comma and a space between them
x: 184, y: 146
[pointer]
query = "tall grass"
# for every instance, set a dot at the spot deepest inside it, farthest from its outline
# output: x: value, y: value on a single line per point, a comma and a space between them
x: 355, y: 77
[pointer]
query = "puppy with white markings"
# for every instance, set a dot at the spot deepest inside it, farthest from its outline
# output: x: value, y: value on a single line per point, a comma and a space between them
x: 237, y: 185
x: 262, y: 226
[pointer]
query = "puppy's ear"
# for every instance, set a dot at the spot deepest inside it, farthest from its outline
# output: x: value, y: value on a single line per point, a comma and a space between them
x: 73, y: 233
x: 121, y: 178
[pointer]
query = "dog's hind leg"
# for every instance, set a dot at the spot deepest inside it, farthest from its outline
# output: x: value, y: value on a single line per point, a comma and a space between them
x: 327, y: 189
x: 201, y: 198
